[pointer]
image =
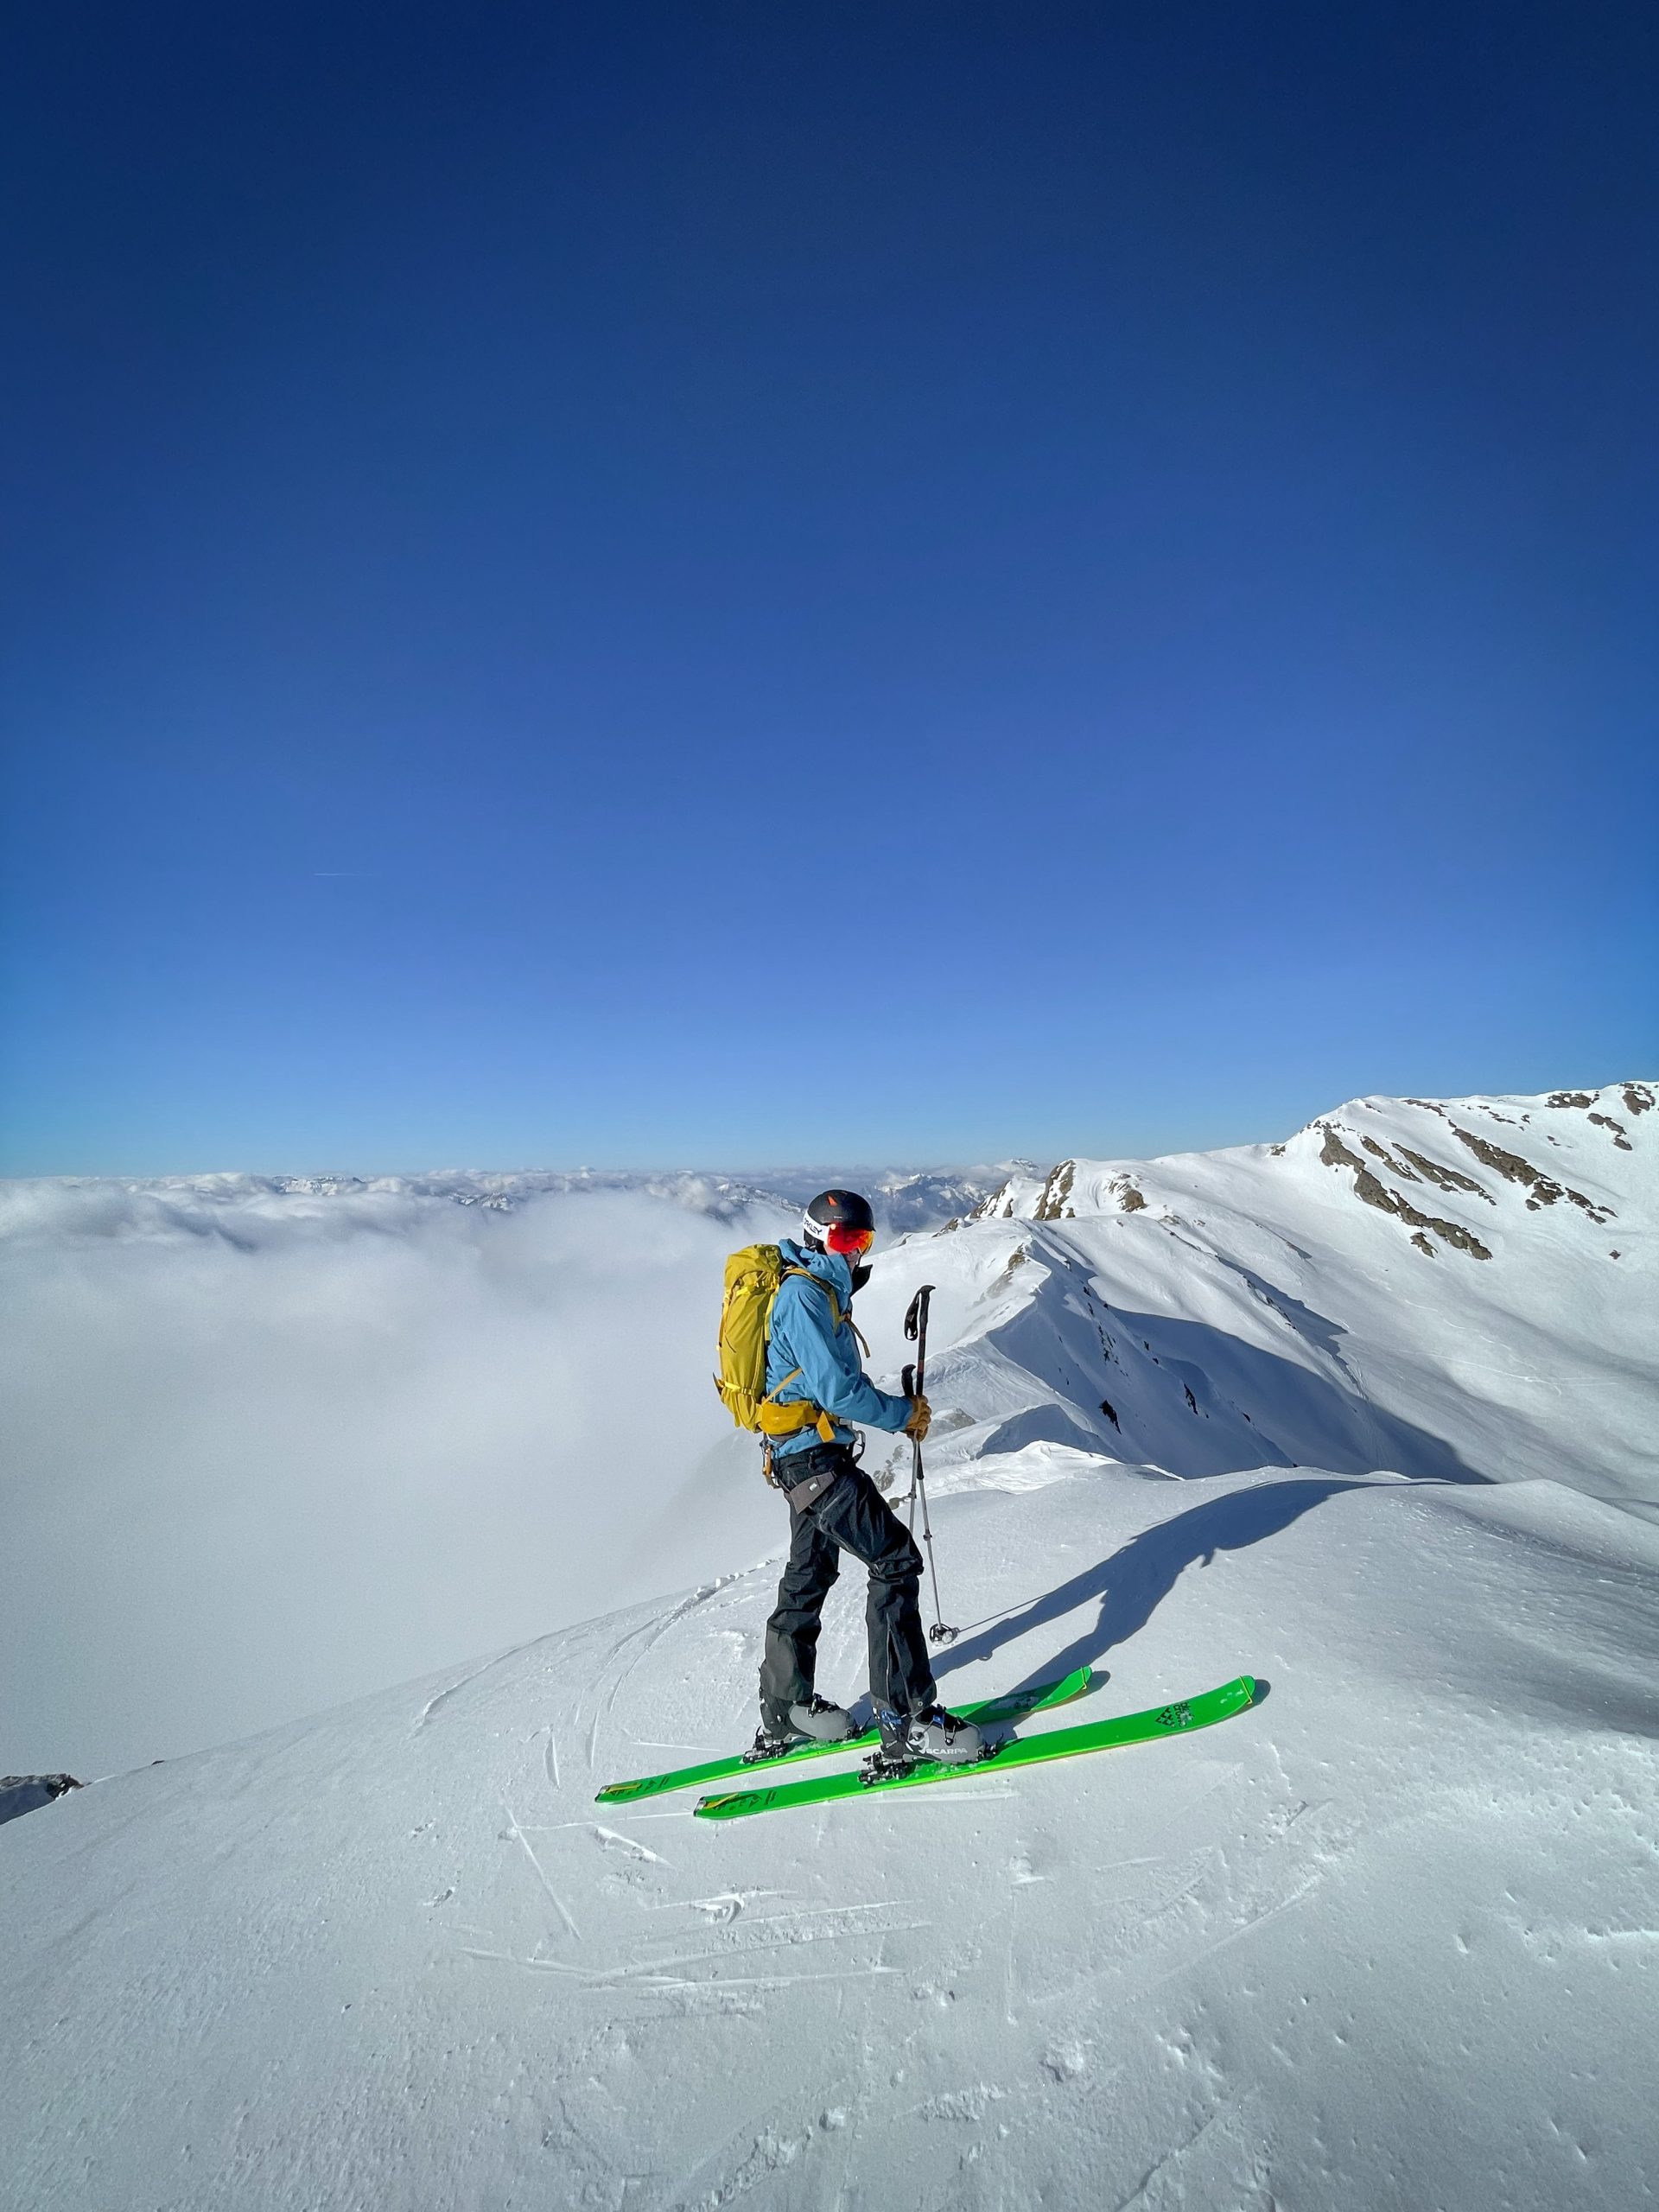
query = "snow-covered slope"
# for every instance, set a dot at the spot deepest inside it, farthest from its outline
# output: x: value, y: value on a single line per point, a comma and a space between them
x: 1466, y: 1289
x: 1368, y: 1414
x: 1386, y: 1942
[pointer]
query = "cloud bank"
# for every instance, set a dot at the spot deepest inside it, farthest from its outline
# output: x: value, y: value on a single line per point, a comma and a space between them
x: 267, y: 1450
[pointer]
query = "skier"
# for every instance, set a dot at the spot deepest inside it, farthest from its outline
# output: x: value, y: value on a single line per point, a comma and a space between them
x: 812, y: 1356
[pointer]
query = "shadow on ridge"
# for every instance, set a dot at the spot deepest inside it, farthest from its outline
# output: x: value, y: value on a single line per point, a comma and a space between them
x: 1198, y: 1400
x: 1128, y: 1587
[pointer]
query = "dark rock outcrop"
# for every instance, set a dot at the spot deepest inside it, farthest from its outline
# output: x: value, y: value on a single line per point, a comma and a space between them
x: 26, y: 1792
x: 1368, y: 1187
x: 1053, y: 1204
x: 1544, y: 1189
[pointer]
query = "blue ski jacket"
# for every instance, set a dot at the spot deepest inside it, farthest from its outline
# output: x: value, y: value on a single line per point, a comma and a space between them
x: 804, y: 1335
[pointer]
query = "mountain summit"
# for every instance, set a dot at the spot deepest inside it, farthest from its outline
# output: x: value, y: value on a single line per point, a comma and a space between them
x: 1461, y: 1288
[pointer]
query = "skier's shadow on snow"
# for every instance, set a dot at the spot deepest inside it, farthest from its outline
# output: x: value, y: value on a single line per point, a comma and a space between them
x: 1129, y: 1585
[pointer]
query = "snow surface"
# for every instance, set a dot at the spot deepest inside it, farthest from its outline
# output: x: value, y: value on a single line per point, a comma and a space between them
x: 1386, y: 1940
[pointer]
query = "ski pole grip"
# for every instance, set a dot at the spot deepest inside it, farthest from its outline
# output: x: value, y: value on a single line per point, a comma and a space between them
x: 916, y: 1330
x: 907, y: 1384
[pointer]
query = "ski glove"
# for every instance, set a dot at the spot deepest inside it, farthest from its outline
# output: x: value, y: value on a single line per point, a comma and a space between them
x: 920, y: 1415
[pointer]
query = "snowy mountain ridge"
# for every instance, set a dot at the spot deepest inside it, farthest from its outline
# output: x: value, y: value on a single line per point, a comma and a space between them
x: 1464, y: 1289
x: 1110, y: 1187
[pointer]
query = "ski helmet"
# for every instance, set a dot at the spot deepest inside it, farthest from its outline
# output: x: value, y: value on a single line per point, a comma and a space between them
x: 839, y: 1221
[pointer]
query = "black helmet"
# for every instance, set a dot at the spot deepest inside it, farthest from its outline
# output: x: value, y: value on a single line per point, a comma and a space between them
x: 836, y: 1210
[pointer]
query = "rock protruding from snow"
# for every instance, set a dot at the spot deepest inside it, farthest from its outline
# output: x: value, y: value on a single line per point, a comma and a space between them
x: 26, y: 1792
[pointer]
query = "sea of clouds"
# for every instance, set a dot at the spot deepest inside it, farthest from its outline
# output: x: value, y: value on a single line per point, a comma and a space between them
x: 266, y: 1450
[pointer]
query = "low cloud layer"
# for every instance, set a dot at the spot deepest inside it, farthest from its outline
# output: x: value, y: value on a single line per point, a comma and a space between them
x: 265, y: 1452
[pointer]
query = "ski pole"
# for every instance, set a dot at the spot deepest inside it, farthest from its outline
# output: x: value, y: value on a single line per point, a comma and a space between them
x: 910, y: 1384
x: 914, y: 1378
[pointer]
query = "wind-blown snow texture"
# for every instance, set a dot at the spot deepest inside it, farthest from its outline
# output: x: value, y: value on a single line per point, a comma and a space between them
x: 1386, y: 1942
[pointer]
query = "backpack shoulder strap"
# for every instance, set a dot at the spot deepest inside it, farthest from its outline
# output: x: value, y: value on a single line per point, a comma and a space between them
x: 818, y: 1283
x: 811, y: 1416
x: 835, y: 1306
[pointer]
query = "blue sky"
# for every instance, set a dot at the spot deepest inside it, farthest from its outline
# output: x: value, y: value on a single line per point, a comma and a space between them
x: 735, y: 584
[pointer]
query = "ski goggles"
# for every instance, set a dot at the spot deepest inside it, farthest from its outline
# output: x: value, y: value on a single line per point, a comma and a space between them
x: 851, y: 1243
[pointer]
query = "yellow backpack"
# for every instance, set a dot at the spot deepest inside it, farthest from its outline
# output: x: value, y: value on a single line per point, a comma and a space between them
x: 753, y: 1278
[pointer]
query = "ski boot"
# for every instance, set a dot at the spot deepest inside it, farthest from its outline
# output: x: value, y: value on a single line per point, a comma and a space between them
x: 823, y: 1722
x: 934, y: 1735
x: 817, y: 1721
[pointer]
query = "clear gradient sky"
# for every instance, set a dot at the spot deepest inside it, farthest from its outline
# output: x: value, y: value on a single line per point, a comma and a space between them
x: 725, y: 583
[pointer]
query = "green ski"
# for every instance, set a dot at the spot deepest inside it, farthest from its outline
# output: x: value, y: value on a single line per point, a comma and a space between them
x: 1014, y: 1707
x: 1019, y: 1751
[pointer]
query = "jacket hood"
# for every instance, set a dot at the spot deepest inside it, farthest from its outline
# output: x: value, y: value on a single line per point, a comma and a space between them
x: 828, y: 1266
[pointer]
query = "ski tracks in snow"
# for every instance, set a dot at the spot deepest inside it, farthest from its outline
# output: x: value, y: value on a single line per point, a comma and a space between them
x: 828, y: 1965
x: 628, y: 1649
x: 517, y: 1835
x: 725, y: 1939
x: 551, y: 1757
x: 886, y: 1989
x: 1179, y: 1909
x: 1222, y: 2161
x: 435, y: 1703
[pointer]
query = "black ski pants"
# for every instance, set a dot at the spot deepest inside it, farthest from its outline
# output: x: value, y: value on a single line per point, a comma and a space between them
x: 850, y: 1516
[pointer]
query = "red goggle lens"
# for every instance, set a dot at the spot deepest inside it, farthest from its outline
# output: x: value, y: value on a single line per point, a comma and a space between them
x: 849, y: 1243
